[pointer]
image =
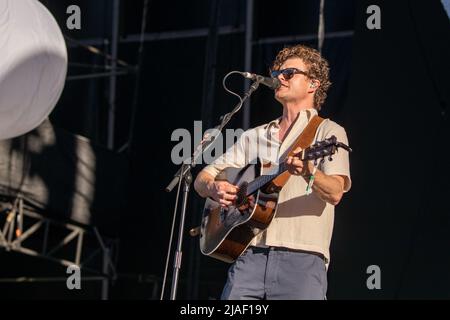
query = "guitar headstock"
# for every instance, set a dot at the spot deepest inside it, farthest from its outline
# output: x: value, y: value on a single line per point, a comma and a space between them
x: 324, y: 148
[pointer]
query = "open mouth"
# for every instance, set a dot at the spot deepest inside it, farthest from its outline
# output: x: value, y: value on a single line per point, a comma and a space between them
x: 282, y: 86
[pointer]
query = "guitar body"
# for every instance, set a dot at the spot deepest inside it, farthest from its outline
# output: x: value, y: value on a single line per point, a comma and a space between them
x: 225, y: 234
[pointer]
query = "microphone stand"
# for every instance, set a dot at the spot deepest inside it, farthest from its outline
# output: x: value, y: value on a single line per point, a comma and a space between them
x: 184, y: 177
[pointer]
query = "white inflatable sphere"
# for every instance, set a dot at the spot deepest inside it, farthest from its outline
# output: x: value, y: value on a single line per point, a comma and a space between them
x: 33, y: 65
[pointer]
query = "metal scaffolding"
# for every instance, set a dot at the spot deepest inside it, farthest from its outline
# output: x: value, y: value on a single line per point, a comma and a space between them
x: 26, y: 231
x: 249, y: 43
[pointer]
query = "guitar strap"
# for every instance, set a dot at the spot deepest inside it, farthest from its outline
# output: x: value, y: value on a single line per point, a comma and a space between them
x: 303, y: 141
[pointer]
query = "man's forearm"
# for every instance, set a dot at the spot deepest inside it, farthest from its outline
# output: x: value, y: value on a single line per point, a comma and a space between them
x: 201, y: 183
x: 329, y: 188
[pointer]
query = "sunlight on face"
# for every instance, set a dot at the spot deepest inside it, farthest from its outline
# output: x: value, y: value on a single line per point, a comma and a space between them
x: 296, y: 88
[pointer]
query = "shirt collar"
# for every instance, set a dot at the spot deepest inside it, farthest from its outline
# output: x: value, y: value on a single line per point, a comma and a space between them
x: 309, y: 114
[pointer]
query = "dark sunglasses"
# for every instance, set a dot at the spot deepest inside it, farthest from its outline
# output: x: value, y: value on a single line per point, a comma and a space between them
x: 287, y: 73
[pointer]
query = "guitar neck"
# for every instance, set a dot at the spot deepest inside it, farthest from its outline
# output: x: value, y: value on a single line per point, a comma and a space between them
x: 321, y: 149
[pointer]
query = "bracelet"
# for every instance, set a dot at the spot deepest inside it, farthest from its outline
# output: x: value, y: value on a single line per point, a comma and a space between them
x: 311, y: 181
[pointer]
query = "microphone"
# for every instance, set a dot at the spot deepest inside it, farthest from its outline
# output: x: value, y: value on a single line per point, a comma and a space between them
x: 272, y: 83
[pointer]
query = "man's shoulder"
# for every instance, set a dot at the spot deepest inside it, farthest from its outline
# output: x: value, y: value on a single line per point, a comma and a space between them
x: 329, y: 125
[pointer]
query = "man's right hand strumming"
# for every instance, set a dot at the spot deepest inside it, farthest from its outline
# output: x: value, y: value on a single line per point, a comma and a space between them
x: 222, y: 192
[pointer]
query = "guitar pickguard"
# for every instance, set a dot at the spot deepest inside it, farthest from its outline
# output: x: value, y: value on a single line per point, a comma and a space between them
x: 232, y: 216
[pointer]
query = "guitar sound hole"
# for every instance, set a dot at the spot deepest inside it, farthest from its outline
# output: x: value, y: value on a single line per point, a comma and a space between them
x: 242, y: 195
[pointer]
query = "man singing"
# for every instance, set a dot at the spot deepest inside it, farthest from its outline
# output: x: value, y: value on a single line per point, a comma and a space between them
x: 289, y: 260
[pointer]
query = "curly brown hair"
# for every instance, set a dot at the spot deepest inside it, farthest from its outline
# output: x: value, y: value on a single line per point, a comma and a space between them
x: 317, y: 65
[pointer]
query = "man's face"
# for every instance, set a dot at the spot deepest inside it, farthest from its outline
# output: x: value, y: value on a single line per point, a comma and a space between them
x: 298, y: 87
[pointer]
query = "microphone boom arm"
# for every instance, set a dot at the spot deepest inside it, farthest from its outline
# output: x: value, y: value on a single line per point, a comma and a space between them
x: 184, y: 177
x: 207, y: 141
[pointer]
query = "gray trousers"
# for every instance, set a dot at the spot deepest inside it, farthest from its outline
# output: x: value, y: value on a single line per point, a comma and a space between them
x: 276, y: 273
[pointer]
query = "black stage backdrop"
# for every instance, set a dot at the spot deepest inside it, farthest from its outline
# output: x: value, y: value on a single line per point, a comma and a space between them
x: 390, y: 92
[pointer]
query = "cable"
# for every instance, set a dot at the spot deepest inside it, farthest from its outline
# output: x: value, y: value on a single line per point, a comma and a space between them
x: 233, y: 93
